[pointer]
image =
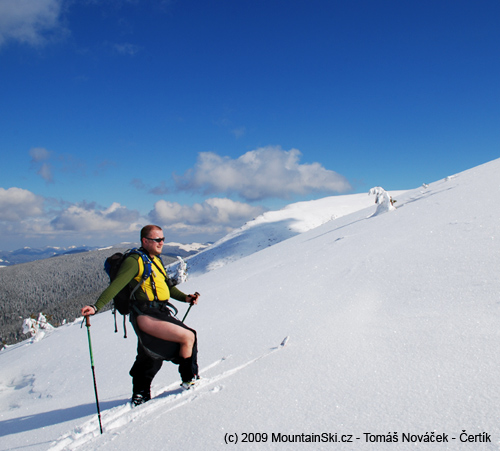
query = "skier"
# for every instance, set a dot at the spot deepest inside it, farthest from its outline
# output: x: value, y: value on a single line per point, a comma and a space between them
x: 160, y: 335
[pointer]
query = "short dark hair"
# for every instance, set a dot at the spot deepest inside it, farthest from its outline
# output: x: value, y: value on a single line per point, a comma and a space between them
x: 146, y: 230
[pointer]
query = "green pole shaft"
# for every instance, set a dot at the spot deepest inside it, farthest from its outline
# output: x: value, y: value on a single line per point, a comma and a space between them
x: 87, y: 323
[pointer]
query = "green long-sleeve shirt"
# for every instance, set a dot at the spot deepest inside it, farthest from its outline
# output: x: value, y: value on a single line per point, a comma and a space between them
x: 126, y: 274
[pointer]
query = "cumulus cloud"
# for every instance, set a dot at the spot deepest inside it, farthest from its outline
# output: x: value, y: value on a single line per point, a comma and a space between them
x: 259, y: 174
x: 17, y: 204
x: 211, y: 216
x: 30, y: 21
x: 26, y: 218
x: 88, y: 217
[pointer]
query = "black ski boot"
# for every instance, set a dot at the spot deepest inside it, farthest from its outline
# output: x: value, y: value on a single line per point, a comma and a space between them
x: 140, y: 397
x: 141, y: 390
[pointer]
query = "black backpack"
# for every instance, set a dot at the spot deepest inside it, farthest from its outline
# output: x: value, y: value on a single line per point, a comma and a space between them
x: 123, y: 300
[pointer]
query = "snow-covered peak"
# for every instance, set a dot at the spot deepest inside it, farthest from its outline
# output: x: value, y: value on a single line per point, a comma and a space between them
x: 191, y: 247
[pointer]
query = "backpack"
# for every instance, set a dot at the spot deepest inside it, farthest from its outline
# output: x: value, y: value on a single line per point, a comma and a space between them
x: 122, y: 301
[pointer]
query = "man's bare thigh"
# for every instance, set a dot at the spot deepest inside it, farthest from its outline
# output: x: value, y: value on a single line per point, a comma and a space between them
x: 163, y: 329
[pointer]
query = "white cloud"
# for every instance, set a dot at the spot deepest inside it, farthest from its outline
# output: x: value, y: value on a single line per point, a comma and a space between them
x: 88, y: 217
x: 263, y: 173
x: 26, y: 218
x: 17, y: 204
x: 29, y: 21
x: 213, y: 216
x: 25, y: 221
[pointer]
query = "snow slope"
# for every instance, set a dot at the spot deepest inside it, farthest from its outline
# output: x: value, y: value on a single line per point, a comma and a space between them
x: 275, y: 226
x: 376, y: 327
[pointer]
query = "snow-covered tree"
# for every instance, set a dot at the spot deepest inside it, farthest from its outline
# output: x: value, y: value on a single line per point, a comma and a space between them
x: 383, y: 200
x: 182, y: 273
x: 179, y: 271
x: 34, y: 326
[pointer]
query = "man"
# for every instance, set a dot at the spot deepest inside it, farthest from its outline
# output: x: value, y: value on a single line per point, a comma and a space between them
x: 160, y: 335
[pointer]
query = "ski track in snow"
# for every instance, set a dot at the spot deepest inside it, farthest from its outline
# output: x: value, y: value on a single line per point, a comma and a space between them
x: 168, y: 399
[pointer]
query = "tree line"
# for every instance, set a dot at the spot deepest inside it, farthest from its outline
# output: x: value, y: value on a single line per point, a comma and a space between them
x: 57, y: 286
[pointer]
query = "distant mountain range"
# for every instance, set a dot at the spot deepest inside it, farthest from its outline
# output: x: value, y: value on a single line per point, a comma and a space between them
x: 28, y: 254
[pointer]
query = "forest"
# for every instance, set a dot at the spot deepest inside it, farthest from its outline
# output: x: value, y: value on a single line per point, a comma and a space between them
x: 57, y: 287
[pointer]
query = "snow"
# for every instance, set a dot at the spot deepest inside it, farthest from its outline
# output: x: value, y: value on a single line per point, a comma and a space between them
x: 275, y: 226
x: 377, y: 326
x: 187, y: 247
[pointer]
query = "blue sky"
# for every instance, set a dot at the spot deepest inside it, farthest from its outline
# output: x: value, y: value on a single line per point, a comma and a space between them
x: 200, y: 115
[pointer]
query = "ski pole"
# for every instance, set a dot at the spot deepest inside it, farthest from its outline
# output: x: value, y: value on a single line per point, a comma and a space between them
x: 87, y: 323
x: 190, y: 305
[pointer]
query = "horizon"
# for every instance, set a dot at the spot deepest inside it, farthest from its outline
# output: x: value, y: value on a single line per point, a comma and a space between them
x: 201, y: 116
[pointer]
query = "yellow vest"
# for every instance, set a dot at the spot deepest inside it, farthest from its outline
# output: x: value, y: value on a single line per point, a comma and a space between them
x: 158, y: 276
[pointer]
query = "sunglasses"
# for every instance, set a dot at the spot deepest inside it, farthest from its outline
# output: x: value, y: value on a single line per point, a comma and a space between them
x: 158, y: 240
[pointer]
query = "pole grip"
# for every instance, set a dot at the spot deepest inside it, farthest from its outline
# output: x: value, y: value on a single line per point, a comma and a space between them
x: 87, y: 320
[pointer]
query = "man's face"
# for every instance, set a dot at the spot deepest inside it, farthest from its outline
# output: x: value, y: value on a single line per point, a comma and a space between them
x: 153, y: 247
